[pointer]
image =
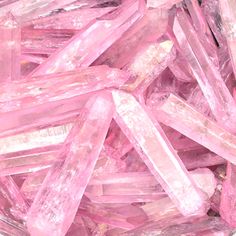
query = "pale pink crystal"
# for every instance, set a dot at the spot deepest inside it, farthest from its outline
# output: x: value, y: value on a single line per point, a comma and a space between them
x: 228, y: 17
x: 27, y: 162
x: 56, y: 203
x: 204, y: 33
x: 149, y: 62
x: 27, y: 10
x: 43, y: 41
x: 152, y: 145
x: 227, y: 204
x: 82, y: 50
x: 209, y: 79
x: 42, y: 138
x: 10, y: 51
x: 18, y: 206
x: 181, y: 116
x: 148, y: 29
x: 76, y: 19
x: 58, y: 99
x: 162, y: 3
x: 125, y: 216
x: 9, y: 226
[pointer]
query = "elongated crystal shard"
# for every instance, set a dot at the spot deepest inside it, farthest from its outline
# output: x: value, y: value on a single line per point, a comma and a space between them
x: 228, y: 196
x: 27, y: 162
x: 204, y: 33
x: 51, y: 88
x: 148, y: 29
x: 76, y: 19
x: 42, y: 138
x: 56, y: 203
x: 42, y: 102
x: 17, y: 205
x: 154, y: 148
x: 9, y: 226
x: 162, y: 3
x: 149, y: 62
x: 82, y: 50
x: 140, y: 186
x: 181, y: 116
x: 209, y: 79
x: 10, y: 49
x: 228, y: 17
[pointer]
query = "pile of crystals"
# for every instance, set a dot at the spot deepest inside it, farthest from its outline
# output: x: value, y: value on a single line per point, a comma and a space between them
x: 118, y: 117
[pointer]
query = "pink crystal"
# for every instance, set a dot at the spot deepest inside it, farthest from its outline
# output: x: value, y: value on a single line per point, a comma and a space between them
x: 228, y: 16
x: 81, y: 51
x: 152, y: 145
x: 117, y: 117
x: 72, y: 172
x: 207, y: 75
x: 10, y: 36
x: 184, y: 118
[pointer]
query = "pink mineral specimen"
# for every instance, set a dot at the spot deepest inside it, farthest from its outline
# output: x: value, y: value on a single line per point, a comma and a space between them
x: 228, y: 16
x: 56, y: 203
x: 227, y: 205
x: 181, y: 116
x: 118, y: 117
x: 81, y: 51
x: 209, y: 79
x: 152, y: 145
x: 10, y: 38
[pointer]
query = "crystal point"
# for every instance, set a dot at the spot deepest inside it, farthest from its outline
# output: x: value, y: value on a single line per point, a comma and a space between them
x: 56, y: 203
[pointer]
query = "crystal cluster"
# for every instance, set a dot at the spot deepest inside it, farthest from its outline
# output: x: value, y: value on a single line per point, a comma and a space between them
x: 118, y: 117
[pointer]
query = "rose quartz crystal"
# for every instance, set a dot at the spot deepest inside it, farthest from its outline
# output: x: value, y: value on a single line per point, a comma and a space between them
x: 196, y: 126
x: 10, y: 38
x: 209, y: 80
x: 81, y: 51
x: 227, y: 204
x: 54, y: 207
x: 228, y: 16
x: 118, y: 117
x: 152, y: 145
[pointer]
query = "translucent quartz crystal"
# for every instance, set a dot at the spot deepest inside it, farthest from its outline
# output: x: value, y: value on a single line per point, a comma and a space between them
x: 140, y: 186
x: 17, y: 205
x: 194, y: 160
x: 209, y: 79
x: 43, y: 138
x: 228, y: 17
x: 125, y: 216
x: 150, y: 61
x: 76, y: 19
x: 180, y: 68
x: 144, y: 31
x: 228, y: 196
x: 124, y: 188
x: 44, y: 41
x: 181, y: 116
x: 51, y: 88
x: 52, y: 98
x: 176, y: 227
x: 152, y: 145
x: 9, y: 227
x: 27, y: 10
x: 56, y: 203
x: 212, y: 14
x: 82, y: 50
x: 6, y: 2
x: 162, y: 3
x: 204, y: 33
x: 10, y: 51
x: 26, y: 162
